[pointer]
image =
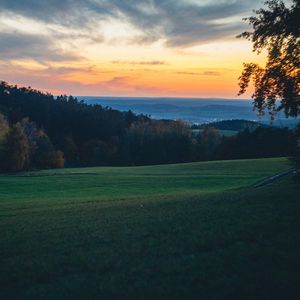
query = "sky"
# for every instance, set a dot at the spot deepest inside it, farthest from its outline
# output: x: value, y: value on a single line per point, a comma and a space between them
x: 151, y: 48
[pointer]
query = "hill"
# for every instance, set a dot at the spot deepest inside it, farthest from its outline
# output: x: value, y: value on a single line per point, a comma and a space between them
x: 173, y: 232
x: 40, y: 131
x: 192, y: 110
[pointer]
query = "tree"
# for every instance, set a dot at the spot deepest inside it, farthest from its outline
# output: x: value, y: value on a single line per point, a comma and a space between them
x: 52, y: 159
x: 276, y: 29
x: 69, y: 148
x: 210, y: 139
x: 262, y: 142
x: 46, y: 156
x: 16, y: 150
x: 32, y: 134
x: 4, y: 129
x: 95, y: 153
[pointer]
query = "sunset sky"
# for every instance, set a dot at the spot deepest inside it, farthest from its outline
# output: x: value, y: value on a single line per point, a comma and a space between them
x: 182, y: 48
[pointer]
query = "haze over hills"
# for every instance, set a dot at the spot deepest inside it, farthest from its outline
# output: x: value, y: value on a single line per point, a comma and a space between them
x: 192, y: 110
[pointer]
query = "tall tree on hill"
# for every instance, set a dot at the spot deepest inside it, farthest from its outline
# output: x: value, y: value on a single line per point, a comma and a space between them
x: 276, y: 30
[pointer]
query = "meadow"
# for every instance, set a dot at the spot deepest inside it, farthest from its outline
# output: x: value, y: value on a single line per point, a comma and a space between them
x: 169, y: 232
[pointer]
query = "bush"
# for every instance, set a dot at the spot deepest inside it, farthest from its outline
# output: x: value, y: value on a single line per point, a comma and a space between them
x: 52, y: 159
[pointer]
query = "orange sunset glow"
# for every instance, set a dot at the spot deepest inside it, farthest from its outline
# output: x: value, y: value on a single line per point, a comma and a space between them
x: 115, y: 49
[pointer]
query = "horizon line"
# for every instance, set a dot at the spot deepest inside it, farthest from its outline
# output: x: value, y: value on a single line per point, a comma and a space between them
x: 164, y: 97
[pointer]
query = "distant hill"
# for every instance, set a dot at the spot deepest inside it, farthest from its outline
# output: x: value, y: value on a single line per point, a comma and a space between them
x: 191, y: 110
x: 236, y: 125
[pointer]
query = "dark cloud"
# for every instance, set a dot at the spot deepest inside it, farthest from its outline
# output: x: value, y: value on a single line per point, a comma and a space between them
x: 18, y: 45
x: 180, y: 22
x: 184, y: 23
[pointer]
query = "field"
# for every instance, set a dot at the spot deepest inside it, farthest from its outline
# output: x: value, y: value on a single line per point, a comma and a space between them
x: 198, y: 230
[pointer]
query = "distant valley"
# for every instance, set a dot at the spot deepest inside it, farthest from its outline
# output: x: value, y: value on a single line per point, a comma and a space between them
x: 191, y: 110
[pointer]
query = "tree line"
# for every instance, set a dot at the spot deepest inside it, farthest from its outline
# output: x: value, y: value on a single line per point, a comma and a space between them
x: 38, y: 130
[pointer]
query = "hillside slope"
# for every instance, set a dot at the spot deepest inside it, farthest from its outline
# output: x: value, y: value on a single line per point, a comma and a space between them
x: 171, y: 232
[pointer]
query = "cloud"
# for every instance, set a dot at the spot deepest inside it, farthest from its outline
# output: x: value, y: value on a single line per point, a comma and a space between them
x: 126, y: 85
x: 188, y: 73
x: 53, y: 32
x: 18, y: 45
x: 205, y: 73
x: 142, y: 63
x: 181, y: 23
x: 211, y: 73
x: 54, y: 80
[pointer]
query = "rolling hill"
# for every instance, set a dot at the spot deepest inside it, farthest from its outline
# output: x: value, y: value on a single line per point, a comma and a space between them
x: 168, y: 232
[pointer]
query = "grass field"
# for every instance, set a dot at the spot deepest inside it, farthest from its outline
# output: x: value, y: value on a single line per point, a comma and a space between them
x: 156, y: 232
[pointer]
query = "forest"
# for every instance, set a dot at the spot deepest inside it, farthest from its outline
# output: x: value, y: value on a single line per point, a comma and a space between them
x: 40, y: 131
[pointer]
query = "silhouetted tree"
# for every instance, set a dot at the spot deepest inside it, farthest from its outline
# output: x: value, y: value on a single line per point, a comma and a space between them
x: 262, y: 142
x: 95, y: 153
x: 276, y: 29
x: 156, y: 142
x: 210, y: 139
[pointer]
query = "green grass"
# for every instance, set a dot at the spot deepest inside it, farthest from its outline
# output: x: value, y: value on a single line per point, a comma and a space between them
x: 111, y: 183
x: 162, y: 232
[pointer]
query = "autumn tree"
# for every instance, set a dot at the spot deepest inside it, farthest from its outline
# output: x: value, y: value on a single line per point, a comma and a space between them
x: 16, y: 150
x: 46, y: 156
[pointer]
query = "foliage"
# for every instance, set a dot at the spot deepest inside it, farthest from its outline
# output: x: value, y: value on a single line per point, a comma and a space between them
x: 71, y: 152
x: 210, y: 139
x: 262, y: 142
x: 66, y: 132
x: 276, y: 29
x: 46, y: 156
x: 51, y: 159
x: 96, y: 153
x: 235, y: 125
x: 4, y: 128
x: 156, y: 142
x: 16, y: 150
